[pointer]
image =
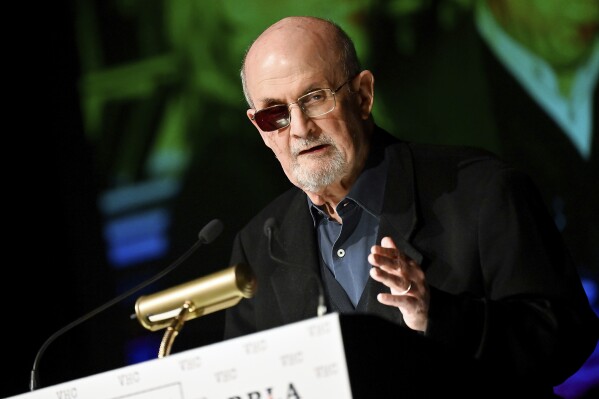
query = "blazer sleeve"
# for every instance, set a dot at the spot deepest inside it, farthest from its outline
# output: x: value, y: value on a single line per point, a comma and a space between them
x: 534, y: 320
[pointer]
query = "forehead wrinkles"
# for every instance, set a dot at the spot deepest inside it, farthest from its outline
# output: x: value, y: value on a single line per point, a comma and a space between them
x: 269, y: 89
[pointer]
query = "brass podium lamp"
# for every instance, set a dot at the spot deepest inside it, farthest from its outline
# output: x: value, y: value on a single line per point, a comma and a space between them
x: 174, y: 306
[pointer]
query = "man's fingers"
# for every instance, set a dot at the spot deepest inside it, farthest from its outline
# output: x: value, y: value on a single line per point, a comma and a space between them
x: 390, y: 279
x: 387, y: 242
x: 379, y: 250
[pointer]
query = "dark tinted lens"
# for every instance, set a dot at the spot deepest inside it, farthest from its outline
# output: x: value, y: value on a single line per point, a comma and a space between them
x: 272, y: 118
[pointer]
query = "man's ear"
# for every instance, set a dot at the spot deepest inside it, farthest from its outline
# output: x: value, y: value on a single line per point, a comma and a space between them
x: 365, y: 91
x: 265, y: 137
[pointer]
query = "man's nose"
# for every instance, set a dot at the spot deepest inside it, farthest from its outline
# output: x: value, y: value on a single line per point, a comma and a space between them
x: 299, y: 122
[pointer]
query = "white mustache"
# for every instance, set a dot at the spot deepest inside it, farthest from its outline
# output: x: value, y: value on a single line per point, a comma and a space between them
x: 305, y: 144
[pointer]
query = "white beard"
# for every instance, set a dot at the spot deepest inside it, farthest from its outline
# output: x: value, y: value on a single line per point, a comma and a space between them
x: 325, y: 171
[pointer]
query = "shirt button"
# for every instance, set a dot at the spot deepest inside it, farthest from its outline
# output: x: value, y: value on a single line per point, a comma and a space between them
x: 341, y: 253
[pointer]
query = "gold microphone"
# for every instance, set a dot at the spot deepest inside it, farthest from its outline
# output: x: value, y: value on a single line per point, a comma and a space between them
x: 200, y: 297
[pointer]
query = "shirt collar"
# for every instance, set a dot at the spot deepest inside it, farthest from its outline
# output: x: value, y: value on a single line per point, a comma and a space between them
x: 369, y: 189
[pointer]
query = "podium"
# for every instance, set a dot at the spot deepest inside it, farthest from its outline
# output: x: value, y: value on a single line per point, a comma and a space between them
x: 333, y: 356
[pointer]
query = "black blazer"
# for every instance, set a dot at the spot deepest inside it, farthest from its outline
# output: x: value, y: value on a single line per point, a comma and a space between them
x: 503, y: 288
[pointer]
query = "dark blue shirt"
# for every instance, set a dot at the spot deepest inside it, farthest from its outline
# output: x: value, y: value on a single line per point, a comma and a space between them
x: 345, y: 246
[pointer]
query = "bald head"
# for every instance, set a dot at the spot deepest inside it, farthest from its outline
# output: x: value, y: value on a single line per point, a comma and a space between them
x: 298, y: 43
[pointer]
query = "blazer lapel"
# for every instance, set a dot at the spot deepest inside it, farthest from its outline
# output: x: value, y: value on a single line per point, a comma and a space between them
x: 399, y: 217
x: 297, y: 283
x: 398, y: 220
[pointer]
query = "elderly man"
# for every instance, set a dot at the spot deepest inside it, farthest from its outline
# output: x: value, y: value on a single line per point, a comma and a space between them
x: 449, y: 242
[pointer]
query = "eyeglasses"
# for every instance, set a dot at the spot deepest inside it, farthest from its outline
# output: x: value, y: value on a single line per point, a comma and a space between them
x: 316, y: 103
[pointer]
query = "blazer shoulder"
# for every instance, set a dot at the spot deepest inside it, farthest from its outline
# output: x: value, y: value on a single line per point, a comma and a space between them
x: 277, y: 209
x: 457, y: 152
x: 432, y: 153
x: 452, y: 156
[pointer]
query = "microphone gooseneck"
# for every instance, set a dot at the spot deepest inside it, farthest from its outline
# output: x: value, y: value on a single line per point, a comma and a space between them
x: 208, y: 233
x: 269, y: 228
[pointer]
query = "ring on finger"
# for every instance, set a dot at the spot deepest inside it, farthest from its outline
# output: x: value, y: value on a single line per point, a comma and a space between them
x: 406, y: 290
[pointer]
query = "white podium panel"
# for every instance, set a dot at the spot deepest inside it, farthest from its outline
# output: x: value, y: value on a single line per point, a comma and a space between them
x: 301, y: 360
